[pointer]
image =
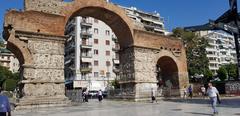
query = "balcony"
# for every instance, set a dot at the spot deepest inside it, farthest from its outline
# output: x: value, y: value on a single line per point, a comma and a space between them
x: 85, y: 22
x: 115, y: 39
x: 86, y: 34
x: 116, y: 70
x: 86, y: 69
x: 86, y: 45
x: 116, y: 61
x: 86, y: 55
x: 116, y: 48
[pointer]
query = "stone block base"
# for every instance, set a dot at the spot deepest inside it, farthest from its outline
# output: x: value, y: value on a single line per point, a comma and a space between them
x: 40, y: 102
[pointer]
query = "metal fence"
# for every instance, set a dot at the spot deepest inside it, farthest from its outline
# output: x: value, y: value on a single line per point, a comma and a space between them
x: 163, y: 92
x: 74, y: 95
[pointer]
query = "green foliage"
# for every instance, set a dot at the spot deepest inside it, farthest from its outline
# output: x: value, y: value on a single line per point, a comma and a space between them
x: 222, y: 73
x: 8, y: 79
x: 10, y: 84
x: 208, y: 75
x: 2, y: 43
x: 115, y: 84
x: 197, y: 60
x: 231, y: 71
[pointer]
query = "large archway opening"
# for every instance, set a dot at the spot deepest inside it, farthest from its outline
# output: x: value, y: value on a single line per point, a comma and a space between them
x: 96, y: 39
x: 167, y: 76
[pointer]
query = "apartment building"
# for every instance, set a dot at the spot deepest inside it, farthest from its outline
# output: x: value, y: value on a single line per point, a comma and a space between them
x: 91, y: 51
x: 91, y: 54
x: 8, y: 60
x: 149, y: 21
x: 221, y: 50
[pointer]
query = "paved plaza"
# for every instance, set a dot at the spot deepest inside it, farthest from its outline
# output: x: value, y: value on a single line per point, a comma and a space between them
x: 195, y: 107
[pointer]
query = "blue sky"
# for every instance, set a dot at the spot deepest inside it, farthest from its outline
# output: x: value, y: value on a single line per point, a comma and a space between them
x: 177, y: 13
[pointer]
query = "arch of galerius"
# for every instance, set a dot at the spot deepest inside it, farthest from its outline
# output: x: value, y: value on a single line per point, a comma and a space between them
x: 36, y: 36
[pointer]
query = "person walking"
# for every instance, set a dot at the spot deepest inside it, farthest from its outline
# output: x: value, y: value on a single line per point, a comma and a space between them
x: 185, y: 92
x: 190, y: 91
x: 5, y: 109
x: 85, y: 96
x: 213, y: 93
x: 153, y: 96
x: 203, y: 91
x: 100, y: 95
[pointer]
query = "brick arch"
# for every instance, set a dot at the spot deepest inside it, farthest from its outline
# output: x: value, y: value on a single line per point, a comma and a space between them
x: 18, y: 48
x: 170, y: 56
x: 170, y: 70
x: 114, y: 16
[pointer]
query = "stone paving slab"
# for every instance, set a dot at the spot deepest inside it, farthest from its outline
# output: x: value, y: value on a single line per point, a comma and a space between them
x: 195, y: 107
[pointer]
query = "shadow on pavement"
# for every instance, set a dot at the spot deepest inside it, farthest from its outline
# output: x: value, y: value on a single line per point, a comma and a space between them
x: 196, y: 113
x: 229, y: 102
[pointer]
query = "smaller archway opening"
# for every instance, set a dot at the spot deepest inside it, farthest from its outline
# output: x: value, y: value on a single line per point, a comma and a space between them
x: 167, y: 76
x: 10, y: 61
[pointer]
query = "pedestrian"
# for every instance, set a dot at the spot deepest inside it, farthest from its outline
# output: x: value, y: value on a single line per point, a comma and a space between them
x: 85, y: 96
x: 203, y: 91
x: 213, y: 93
x: 5, y: 109
x: 190, y: 91
x: 153, y: 96
x: 100, y: 95
x: 184, y: 92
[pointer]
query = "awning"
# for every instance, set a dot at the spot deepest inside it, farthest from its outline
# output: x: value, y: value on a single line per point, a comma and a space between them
x: 80, y: 84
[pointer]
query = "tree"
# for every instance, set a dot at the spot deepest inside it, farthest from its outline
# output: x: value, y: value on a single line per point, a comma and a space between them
x: 195, y: 45
x: 208, y: 75
x: 231, y: 71
x: 2, y: 45
x: 8, y: 79
x: 115, y: 84
x: 222, y: 73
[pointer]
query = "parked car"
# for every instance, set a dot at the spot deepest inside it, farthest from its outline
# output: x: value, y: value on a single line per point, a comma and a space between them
x: 105, y: 94
x: 93, y: 93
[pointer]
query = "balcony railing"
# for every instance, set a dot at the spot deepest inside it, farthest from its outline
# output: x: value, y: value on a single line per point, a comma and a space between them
x: 116, y: 48
x: 86, y: 55
x: 86, y: 34
x: 86, y: 23
x: 86, y: 69
x: 86, y: 44
x: 116, y: 70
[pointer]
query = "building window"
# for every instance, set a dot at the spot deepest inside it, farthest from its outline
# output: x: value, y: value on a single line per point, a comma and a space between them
x: 107, y: 32
x: 117, y: 56
x: 108, y: 74
x: 107, y: 42
x: 95, y: 63
x: 8, y: 57
x: 96, y: 52
x: 95, y: 30
x: 84, y: 42
x: 95, y: 41
x: 107, y: 53
x: 108, y: 63
x: 96, y: 74
x: 2, y: 57
x: 95, y: 21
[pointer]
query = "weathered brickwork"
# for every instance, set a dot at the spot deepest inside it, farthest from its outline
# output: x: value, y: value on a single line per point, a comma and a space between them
x: 127, y: 68
x: 36, y: 37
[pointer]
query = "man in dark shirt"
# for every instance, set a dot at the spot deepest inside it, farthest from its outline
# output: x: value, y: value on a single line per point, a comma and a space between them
x: 5, y: 109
